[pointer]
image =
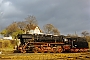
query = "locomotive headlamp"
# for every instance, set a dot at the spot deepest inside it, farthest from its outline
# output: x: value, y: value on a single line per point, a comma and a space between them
x: 65, y: 39
x: 75, y: 45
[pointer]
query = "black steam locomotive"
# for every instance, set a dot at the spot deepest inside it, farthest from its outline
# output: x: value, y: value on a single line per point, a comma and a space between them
x: 51, y: 43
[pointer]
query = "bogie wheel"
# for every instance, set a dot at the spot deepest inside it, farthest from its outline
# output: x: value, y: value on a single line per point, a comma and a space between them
x: 35, y: 50
x: 24, y: 51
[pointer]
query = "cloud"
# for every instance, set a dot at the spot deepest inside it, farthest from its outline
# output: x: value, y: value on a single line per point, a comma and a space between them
x: 67, y: 15
x: 9, y: 13
x: 1, y: 2
x: 9, y: 10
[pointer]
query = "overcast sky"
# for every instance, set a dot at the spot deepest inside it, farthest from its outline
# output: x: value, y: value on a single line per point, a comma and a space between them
x: 67, y: 15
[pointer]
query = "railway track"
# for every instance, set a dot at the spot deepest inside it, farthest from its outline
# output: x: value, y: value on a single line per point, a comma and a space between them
x: 46, y: 56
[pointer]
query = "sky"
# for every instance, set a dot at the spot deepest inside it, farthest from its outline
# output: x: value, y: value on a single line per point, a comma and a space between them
x: 68, y: 16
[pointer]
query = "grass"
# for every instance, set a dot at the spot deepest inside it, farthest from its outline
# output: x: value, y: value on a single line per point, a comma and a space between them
x: 41, y: 56
x: 89, y: 44
x: 7, y: 45
x: 46, y: 56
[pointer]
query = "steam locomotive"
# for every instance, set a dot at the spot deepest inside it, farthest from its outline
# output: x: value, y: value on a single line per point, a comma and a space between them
x: 41, y: 43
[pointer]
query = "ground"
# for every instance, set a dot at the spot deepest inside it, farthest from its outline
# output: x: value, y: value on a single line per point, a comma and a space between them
x: 46, y: 56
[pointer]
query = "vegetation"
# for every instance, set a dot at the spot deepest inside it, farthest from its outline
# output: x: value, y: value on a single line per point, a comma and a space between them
x: 50, y: 29
x: 7, y: 45
x: 19, y: 27
x: 29, y: 23
x: 85, y: 33
x: 22, y: 26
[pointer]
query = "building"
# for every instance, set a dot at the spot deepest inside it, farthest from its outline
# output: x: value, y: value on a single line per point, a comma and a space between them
x: 35, y: 30
x: 8, y: 38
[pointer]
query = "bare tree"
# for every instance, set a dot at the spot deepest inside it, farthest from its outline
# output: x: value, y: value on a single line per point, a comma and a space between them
x: 31, y: 22
x: 21, y: 25
x: 12, y: 28
x: 85, y: 33
x: 50, y: 29
x: 72, y: 35
x: 56, y: 31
